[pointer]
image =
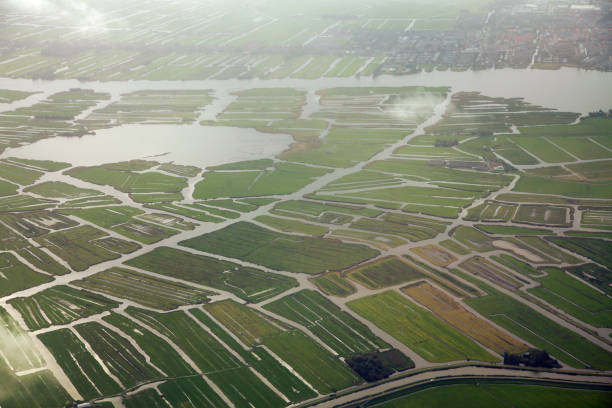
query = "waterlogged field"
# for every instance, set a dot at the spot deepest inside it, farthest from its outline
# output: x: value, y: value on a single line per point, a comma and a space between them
x: 271, y: 281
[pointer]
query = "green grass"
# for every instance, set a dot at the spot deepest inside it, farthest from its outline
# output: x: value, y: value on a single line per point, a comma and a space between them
x: 473, y: 239
x: 595, y: 275
x: 542, y: 149
x: 258, y: 357
x: 46, y: 165
x: 120, y: 356
x: 29, y: 224
x: 59, y: 189
x: 511, y: 230
x: 596, y: 249
x: 285, y: 178
x: 18, y: 349
x: 582, y: 147
x: 43, y: 261
x: 23, y: 202
x: 197, y: 214
x: 286, y: 225
x: 455, y: 247
x: 313, y: 363
x: 148, y: 398
x: 247, y: 283
x: 516, y: 265
x: 143, y: 288
x: 418, y: 328
x: 191, y: 392
x: 345, y: 147
x: 38, y: 390
x: 538, y: 214
x: 386, y: 272
x: 595, y: 171
x: 15, y: 276
x: 245, y: 389
x: 543, y: 333
x: 547, y: 249
x: 577, y: 189
x: 60, y: 305
x: 79, y: 246
x: 161, y: 353
x: 121, y: 220
x: 574, y: 297
x: 79, y: 365
x: 205, y: 351
x: 246, y: 324
x: 129, y: 182
x: 479, y: 395
x: 334, y: 284
x: 406, y: 226
x: 19, y: 175
x: 7, y: 189
x: 323, y: 318
x: 280, y: 251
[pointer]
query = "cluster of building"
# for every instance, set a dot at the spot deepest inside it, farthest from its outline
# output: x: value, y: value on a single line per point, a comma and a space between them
x: 542, y: 34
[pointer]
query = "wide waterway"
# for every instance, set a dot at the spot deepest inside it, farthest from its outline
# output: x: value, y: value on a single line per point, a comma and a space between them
x: 566, y: 89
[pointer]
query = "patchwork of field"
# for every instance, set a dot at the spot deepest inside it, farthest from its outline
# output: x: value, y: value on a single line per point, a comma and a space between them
x: 418, y: 328
x: 292, y: 253
x: 337, y: 329
x: 84, y: 246
x: 144, y: 289
x: 533, y: 327
x: 53, y: 116
x: 152, y: 107
x: 60, y: 305
x: 459, y: 317
x: 245, y: 284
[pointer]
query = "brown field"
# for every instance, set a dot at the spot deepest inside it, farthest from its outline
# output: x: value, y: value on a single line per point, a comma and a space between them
x: 456, y: 315
x: 435, y: 255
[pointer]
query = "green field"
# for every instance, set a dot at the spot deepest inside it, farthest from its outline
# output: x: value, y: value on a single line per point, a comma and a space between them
x: 257, y: 357
x: 197, y: 343
x: 333, y: 284
x: 284, y: 178
x: 190, y: 392
x: 280, y: 251
x: 121, y: 358
x: 60, y: 305
x: 147, y: 290
x: 15, y: 276
x: 575, y: 297
x: 316, y: 365
x: 58, y: 189
x: 80, y: 366
x: 247, y: 283
x: 161, y: 353
x: 385, y: 272
x: 478, y: 394
x: 595, y: 249
x: 84, y: 246
x: 129, y: 182
x: 520, y: 319
x: 418, y: 328
x: 121, y: 220
x: 336, y: 328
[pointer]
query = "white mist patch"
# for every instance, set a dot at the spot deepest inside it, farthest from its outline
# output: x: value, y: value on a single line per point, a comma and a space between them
x: 410, y: 108
x: 86, y: 17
